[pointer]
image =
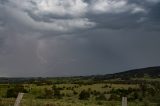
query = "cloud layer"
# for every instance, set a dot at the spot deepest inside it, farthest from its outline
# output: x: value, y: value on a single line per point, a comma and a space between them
x: 77, y: 37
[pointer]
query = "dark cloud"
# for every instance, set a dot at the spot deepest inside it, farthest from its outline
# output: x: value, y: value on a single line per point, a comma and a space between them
x: 154, y: 13
x: 77, y: 38
x: 2, y: 2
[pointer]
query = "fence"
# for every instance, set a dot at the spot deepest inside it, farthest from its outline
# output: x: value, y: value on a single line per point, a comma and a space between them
x: 124, y: 101
x: 20, y: 96
x: 18, y: 100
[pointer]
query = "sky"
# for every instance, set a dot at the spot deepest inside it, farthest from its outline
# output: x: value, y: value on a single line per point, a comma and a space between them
x: 40, y: 38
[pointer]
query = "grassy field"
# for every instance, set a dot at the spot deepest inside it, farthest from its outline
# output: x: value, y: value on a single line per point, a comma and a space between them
x: 140, y: 86
x: 67, y: 102
x: 69, y: 98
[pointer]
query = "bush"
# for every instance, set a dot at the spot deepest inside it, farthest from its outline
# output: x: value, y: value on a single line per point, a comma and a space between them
x: 57, y: 94
x: 105, y: 86
x: 48, y: 93
x: 84, y: 95
x: 114, y: 97
x: 99, y: 103
x: 13, y: 92
x: 101, y: 97
x: 95, y: 93
x: 74, y: 92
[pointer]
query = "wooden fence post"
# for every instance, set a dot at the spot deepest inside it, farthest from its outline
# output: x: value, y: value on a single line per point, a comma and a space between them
x: 18, y: 100
x: 124, y: 101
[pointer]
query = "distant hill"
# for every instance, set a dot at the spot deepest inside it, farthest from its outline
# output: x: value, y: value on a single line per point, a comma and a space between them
x: 150, y: 72
x: 153, y: 72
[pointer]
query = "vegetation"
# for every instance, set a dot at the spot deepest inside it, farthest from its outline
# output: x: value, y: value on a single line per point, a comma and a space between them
x: 84, y: 95
x: 84, y: 91
x: 13, y: 92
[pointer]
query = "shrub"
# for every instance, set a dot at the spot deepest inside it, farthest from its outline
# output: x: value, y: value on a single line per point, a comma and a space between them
x: 114, y: 97
x: 105, y: 86
x: 48, y: 93
x: 57, y: 94
x: 84, y: 95
x: 95, y: 93
x: 13, y: 92
x: 101, y: 97
x: 74, y: 92
x: 99, y: 103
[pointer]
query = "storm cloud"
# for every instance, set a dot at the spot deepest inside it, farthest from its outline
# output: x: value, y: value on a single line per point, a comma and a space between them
x: 77, y: 37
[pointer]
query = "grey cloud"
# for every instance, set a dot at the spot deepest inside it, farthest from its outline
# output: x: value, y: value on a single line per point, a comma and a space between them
x: 34, y: 42
x: 135, y: 13
x: 2, y: 2
x: 154, y: 13
x: 43, y: 22
x: 56, y: 13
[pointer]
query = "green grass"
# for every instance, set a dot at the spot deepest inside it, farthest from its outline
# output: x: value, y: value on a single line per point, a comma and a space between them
x: 3, y: 89
x: 67, y: 102
x: 69, y: 99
